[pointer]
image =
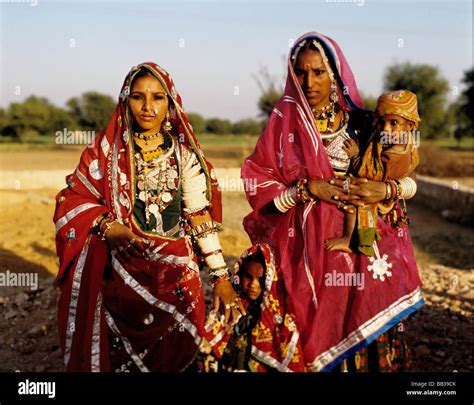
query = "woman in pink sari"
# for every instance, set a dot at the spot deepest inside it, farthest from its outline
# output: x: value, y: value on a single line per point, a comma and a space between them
x: 343, y: 301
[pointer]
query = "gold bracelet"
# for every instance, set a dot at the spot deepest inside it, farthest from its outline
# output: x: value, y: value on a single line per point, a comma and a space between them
x: 108, y: 225
x: 388, y: 191
x: 99, y: 220
x: 302, y: 191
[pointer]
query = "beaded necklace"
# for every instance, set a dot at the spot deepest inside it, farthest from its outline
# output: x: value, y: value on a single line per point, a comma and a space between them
x: 147, y: 137
x: 326, y: 116
x: 157, y: 182
x: 157, y: 152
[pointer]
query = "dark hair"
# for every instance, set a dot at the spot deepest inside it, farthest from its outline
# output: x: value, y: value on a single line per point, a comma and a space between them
x: 257, y: 257
x: 309, y: 45
x: 297, y: 50
x: 144, y: 71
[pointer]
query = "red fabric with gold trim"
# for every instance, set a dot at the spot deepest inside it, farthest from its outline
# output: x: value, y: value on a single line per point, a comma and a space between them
x: 102, y: 183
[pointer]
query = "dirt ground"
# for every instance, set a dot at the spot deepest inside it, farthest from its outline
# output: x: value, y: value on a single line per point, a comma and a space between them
x: 441, y: 333
x: 28, y: 338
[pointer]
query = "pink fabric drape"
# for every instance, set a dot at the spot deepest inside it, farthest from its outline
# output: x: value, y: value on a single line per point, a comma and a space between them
x: 334, y: 320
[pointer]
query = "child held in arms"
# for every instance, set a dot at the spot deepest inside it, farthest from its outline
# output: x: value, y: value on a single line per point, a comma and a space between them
x: 391, y: 156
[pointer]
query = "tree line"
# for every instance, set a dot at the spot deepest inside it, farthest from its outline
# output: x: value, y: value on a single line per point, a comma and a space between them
x: 37, y: 116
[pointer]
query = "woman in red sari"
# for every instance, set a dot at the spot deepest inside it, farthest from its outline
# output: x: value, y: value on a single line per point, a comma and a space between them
x: 342, y: 301
x: 139, y: 209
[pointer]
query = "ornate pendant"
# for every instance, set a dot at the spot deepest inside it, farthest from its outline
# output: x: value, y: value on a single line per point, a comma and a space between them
x: 150, y: 155
x: 380, y: 267
x: 322, y: 125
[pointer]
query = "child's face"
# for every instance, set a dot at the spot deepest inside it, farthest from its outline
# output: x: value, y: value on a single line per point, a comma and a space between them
x: 250, y: 280
x: 393, y: 126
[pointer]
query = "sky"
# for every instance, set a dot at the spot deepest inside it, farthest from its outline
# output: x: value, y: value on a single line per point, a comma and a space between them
x: 213, y: 49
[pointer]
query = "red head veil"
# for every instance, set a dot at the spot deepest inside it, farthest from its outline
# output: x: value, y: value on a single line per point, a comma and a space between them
x: 275, y: 338
x: 340, y: 300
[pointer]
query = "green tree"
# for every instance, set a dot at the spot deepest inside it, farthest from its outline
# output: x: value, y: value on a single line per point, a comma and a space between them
x: 197, y: 121
x: 270, y: 91
x: 247, y: 126
x: 92, y: 110
x: 464, y: 114
x: 32, y: 116
x: 218, y: 126
x: 35, y: 116
x: 431, y: 90
x: 61, y: 118
x: 3, y: 120
x: 370, y: 102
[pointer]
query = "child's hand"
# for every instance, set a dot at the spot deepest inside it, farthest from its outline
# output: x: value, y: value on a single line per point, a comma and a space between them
x: 351, y: 148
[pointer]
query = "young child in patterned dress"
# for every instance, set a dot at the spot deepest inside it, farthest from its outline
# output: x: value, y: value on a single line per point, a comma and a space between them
x: 266, y: 338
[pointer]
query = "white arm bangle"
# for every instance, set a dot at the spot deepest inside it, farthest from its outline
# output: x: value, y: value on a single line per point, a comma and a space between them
x: 215, y: 261
x: 194, y: 190
x: 409, y: 188
x: 209, y: 243
x: 286, y: 200
x: 195, y: 183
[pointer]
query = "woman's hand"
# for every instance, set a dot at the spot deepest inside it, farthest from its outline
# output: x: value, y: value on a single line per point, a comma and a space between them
x: 225, y: 295
x: 331, y: 191
x: 124, y: 244
x: 367, y: 191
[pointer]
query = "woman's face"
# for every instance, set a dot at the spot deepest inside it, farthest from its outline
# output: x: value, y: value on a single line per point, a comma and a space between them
x: 148, y: 103
x: 313, y: 78
x: 250, y: 281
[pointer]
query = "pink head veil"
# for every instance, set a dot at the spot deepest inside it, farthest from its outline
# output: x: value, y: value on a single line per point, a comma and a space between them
x: 334, y: 320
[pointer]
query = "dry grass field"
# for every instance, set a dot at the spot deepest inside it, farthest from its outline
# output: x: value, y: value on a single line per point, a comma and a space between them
x: 440, y: 334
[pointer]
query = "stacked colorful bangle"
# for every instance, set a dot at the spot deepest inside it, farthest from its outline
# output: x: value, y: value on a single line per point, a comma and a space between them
x: 205, y: 235
x: 293, y: 195
x: 204, y: 228
x: 404, y: 188
x: 391, y: 190
x: 399, y: 189
x: 100, y: 219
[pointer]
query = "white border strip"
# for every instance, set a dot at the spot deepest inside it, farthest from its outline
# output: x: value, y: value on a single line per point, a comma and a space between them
x: 75, y: 289
x: 367, y: 329
x: 74, y: 212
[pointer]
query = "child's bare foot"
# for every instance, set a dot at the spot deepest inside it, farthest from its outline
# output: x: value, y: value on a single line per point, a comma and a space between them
x: 338, y: 244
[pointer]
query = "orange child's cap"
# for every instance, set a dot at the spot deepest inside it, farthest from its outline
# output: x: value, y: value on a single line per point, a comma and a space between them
x: 399, y: 102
